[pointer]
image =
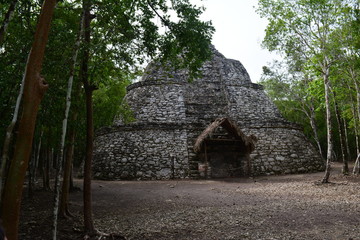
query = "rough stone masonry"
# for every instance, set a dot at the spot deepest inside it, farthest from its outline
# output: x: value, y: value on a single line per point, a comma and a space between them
x: 171, y: 113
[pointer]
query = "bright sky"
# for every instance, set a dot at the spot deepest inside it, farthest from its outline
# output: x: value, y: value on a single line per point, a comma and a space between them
x: 239, y: 32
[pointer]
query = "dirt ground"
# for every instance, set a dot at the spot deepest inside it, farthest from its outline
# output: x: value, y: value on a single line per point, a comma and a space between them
x: 272, y: 207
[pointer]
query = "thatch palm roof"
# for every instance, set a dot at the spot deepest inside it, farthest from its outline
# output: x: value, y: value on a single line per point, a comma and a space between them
x: 229, y: 126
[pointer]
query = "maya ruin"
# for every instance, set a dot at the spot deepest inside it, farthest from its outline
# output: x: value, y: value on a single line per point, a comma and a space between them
x: 220, y: 125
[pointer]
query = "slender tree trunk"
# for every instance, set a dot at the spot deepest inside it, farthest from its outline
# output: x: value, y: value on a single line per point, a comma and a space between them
x: 64, y: 201
x: 346, y: 139
x: 30, y: 176
x: 46, y: 169
x: 7, y: 18
x: 37, y: 157
x: 67, y: 178
x: 9, y: 133
x: 357, y: 103
x: 71, y: 182
x: 52, y: 162
x: 61, y: 157
x: 43, y: 161
x: 356, y: 122
x: 356, y: 130
x: 328, y: 124
x: 64, y: 209
x: 34, y: 90
x: 314, y: 128
x: 64, y: 129
x: 58, y: 170
x: 345, y: 168
x: 356, y: 169
x: 88, y: 218
x: 32, y: 167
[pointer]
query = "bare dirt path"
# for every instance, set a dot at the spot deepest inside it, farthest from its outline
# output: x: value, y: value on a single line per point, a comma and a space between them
x: 274, y: 207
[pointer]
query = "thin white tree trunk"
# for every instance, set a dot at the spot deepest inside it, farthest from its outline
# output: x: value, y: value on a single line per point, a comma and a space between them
x: 357, y: 165
x: 64, y: 129
x: 347, y: 148
x: 308, y: 110
x: 34, y: 164
x: 345, y: 167
x: 328, y: 122
x: 356, y: 121
x: 9, y: 133
x: 59, y: 162
x: 8, y: 16
x: 313, y: 125
x: 38, y: 155
x: 356, y: 169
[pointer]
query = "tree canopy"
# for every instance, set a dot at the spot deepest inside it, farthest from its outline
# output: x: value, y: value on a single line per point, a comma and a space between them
x: 319, y: 42
x: 120, y: 37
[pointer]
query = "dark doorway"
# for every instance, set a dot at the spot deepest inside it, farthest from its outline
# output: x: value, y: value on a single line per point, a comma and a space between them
x: 223, y: 158
x: 223, y: 150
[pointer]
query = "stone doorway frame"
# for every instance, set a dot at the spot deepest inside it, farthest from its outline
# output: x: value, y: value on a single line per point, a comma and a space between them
x: 247, y: 143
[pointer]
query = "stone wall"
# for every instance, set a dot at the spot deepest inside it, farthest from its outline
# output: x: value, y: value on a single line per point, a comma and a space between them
x: 283, y: 150
x: 171, y: 113
x: 141, y: 152
x: 250, y: 106
x: 156, y: 102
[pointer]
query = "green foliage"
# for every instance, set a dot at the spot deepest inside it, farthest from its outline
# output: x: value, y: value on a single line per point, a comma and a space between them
x: 107, y: 103
x: 124, y: 36
x: 319, y: 42
x: 293, y: 94
x: 130, y: 33
x: 13, y: 55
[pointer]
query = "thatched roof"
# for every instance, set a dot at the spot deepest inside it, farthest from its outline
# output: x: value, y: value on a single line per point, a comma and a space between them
x: 231, y: 127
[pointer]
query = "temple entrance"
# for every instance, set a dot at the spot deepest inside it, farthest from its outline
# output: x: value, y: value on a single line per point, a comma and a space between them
x: 224, y: 158
x: 223, y: 150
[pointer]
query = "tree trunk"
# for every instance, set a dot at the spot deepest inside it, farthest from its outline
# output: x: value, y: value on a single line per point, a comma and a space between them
x: 356, y: 133
x: 30, y: 177
x: 58, y: 170
x: 88, y: 218
x: 9, y: 134
x: 71, y: 181
x: 328, y: 124
x: 59, y: 164
x: 34, y: 90
x: 314, y: 128
x: 346, y: 139
x: 7, y: 18
x: 67, y: 178
x: 64, y: 201
x: 345, y: 168
x: 64, y: 129
x: 356, y: 120
x: 45, y: 169
x: 37, y: 157
x: 356, y: 169
x: 32, y: 167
